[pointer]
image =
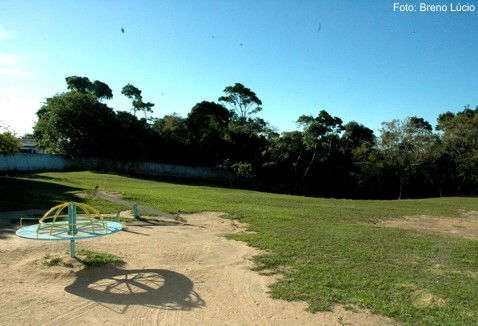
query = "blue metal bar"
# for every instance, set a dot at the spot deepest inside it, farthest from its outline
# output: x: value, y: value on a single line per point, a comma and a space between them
x: 72, y: 226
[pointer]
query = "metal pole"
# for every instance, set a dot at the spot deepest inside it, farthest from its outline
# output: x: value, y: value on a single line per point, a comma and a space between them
x: 72, y: 226
x: 135, y: 211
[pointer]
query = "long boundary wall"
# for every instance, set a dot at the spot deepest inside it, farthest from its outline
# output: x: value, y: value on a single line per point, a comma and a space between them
x: 23, y: 162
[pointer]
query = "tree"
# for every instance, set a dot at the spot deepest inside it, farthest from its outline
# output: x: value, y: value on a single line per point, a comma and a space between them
x: 320, y: 134
x: 280, y: 155
x: 9, y: 142
x: 286, y: 147
x: 460, y: 142
x: 134, y: 94
x: 172, y: 126
x: 75, y: 124
x: 407, y: 147
x: 243, y: 101
x: 174, y: 144
x: 356, y: 144
x: 247, y: 140
x: 205, y: 115
x: 84, y: 85
x: 247, y: 135
x: 79, y: 84
x: 132, y: 137
x: 356, y: 134
x: 207, y: 126
x: 102, y: 91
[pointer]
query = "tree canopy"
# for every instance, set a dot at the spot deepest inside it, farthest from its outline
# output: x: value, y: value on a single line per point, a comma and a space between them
x: 134, y: 94
x: 460, y: 143
x: 74, y: 124
x: 407, y: 146
x: 84, y: 85
x: 9, y: 143
x: 324, y: 157
x: 243, y: 101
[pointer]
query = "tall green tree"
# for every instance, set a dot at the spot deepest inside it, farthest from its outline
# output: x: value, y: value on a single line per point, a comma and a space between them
x: 460, y: 144
x: 321, y: 134
x: 102, y: 90
x: 134, y: 94
x: 207, y: 125
x: 280, y: 157
x: 357, y: 143
x: 132, y: 137
x: 74, y: 124
x: 172, y: 126
x: 79, y: 84
x: 356, y: 134
x: 206, y: 115
x: 407, y: 146
x: 247, y: 139
x: 173, y: 145
x: 246, y: 133
x: 84, y: 85
x: 242, y: 100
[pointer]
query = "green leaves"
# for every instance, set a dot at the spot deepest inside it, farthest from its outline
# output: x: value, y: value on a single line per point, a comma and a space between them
x: 84, y: 85
x: 134, y: 94
x: 460, y: 143
x: 407, y: 147
x: 9, y: 142
x: 244, y: 102
x: 73, y: 124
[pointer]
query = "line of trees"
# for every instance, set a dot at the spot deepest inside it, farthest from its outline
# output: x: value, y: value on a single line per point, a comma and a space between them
x: 324, y: 157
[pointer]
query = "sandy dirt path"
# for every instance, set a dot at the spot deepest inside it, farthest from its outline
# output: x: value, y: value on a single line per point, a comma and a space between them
x: 173, y: 275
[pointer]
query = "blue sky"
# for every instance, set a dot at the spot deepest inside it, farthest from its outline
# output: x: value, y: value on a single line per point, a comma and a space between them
x: 359, y: 60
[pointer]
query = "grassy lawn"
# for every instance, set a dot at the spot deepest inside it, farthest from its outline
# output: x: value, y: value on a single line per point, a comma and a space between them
x: 328, y: 251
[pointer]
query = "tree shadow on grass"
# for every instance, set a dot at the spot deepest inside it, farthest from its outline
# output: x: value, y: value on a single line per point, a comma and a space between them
x: 155, y: 288
x: 26, y: 194
x: 21, y: 194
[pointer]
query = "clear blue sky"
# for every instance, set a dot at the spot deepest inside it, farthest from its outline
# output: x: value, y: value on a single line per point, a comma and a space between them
x: 359, y: 60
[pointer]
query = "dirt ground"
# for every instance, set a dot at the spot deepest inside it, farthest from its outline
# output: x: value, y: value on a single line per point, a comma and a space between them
x: 464, y: 227
x: 173, y: 275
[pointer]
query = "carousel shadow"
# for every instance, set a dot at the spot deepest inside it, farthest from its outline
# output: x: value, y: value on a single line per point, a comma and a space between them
x: 158, y: 288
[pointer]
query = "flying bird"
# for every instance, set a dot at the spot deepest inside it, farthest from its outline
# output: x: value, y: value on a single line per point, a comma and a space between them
x: 122, y: 30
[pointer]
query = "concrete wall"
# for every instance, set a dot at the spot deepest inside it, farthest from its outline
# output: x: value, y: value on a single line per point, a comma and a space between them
x: 32, y: 162
x: 23, y: 162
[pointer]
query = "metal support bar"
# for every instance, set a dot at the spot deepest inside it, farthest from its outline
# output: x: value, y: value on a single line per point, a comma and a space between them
x: 72, y: 226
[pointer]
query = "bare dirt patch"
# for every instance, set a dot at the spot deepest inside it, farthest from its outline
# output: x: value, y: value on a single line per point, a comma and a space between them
x: 464, y: 227
x: 173, y: 275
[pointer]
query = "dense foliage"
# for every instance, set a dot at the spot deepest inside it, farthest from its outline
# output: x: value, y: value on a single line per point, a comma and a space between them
x: 325, y: 157
x: 9, y: 142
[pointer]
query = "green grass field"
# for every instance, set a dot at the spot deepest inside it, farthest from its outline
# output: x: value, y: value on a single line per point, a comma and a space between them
x: 328, y: 251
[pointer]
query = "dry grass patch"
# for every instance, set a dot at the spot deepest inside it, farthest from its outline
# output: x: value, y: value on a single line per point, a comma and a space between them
x: 464, y: 227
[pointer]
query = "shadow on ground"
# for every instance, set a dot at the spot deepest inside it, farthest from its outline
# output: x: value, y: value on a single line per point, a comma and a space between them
x: 157, y: 288
x: 27, y: 194
x: 22, y: 194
